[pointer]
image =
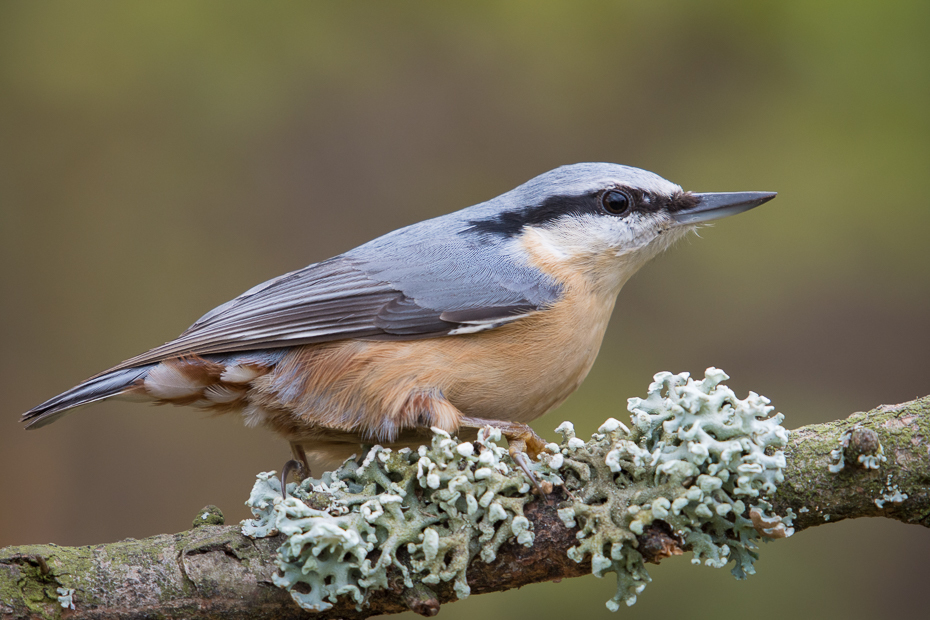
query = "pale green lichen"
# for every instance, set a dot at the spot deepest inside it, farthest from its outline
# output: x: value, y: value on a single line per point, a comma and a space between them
x: 892, y: 494
x: 873, y: 461
x: 697, y: 459
x: 838, y: 456
x: 208, y: 515
x: 425, y: 513
x: 696, y: 465
x: 895, y: 497
x: 870, y: 460
x: 64, y: 597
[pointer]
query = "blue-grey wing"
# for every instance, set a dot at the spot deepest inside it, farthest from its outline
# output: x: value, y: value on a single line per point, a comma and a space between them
x: 412, y: 283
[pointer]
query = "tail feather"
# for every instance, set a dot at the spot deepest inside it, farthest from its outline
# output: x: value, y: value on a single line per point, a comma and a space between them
x: 94, y: 389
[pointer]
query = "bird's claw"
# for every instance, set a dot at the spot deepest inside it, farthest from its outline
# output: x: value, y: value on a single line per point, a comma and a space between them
x: 520, y: 459
x: 528, y: 444
x: 295, y: 466
x: 522, y: 442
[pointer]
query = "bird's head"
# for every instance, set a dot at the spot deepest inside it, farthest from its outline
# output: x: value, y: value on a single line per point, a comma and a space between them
x: 601, y: 220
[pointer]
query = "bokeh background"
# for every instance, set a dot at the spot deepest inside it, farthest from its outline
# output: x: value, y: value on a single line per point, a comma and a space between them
x: 157, y: 159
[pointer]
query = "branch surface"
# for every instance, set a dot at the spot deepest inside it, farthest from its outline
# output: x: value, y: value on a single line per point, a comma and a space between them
x: 213, y: 571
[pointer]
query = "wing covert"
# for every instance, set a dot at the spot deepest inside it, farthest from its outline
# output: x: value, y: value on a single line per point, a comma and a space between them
x: 360, y: 294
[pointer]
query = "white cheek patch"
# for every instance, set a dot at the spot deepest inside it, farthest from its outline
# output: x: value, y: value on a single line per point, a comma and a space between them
x: 605, y: 247
x: 542, y: 241
x: 646, y: 235
x: 579, y: 236
x: 168, y: 382
x: 565, y: 239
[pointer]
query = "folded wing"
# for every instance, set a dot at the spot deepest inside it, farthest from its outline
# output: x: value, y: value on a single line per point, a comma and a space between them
x: 347, y: 297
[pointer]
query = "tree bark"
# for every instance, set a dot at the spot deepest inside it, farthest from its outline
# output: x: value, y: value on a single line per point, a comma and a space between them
x: 213, y: 571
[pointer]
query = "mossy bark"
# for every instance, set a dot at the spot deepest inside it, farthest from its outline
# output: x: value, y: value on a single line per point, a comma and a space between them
x: 212, y: 571
x: 819, y: 496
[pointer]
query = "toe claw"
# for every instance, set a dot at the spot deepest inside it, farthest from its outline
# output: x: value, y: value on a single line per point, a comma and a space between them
x: 291, y: 466
x: 523, y: 443
x: 519, y: 458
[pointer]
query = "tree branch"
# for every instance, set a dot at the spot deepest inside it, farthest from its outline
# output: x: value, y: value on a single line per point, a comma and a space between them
x: 904, y: 434
x: 213, y: 571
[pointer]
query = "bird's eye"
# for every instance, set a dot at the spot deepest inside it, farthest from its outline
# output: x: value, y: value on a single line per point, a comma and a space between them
x: 616, y: 202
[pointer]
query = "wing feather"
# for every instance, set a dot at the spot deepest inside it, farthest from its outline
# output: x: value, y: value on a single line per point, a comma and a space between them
x: 402, y: 286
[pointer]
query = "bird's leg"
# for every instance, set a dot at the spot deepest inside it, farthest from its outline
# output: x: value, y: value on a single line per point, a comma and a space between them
x: 520, y: 437
x: 522, y: 441
x: 298, y: 465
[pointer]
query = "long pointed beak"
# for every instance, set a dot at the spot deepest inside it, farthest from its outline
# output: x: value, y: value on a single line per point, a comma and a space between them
x: 723, y: 204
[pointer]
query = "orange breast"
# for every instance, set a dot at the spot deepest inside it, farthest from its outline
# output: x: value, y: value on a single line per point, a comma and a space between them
x: 516, y: 372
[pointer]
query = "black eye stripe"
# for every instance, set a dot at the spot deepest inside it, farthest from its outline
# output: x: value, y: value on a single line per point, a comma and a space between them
x: 511, y: 223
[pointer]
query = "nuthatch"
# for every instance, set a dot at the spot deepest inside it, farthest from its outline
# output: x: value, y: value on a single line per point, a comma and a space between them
x: 491, y: 315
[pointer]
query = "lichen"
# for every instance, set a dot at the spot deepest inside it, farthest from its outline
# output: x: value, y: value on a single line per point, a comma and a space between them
x: 425, y: 513
x: 697, y: 459
x: 693, y: 472
x: 892, y: 494
x: 868, y: 453
x: 873, y: 461
x: 65, y: 597
x: 837, y: 456
x: 208, y: 515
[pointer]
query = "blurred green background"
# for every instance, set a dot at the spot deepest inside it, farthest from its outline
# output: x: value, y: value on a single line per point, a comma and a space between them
x: 157, y: 159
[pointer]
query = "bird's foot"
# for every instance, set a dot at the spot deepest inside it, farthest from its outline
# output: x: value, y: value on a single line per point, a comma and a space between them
x: 518, y: 454
x: 522, y: 442
x: 298, y: 465
x: 289, y: 467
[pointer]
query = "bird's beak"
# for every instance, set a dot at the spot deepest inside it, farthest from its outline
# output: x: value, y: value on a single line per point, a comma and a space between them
x: 715, y: 206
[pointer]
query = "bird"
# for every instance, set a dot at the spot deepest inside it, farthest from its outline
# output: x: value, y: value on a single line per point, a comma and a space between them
x: 488, y: 316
